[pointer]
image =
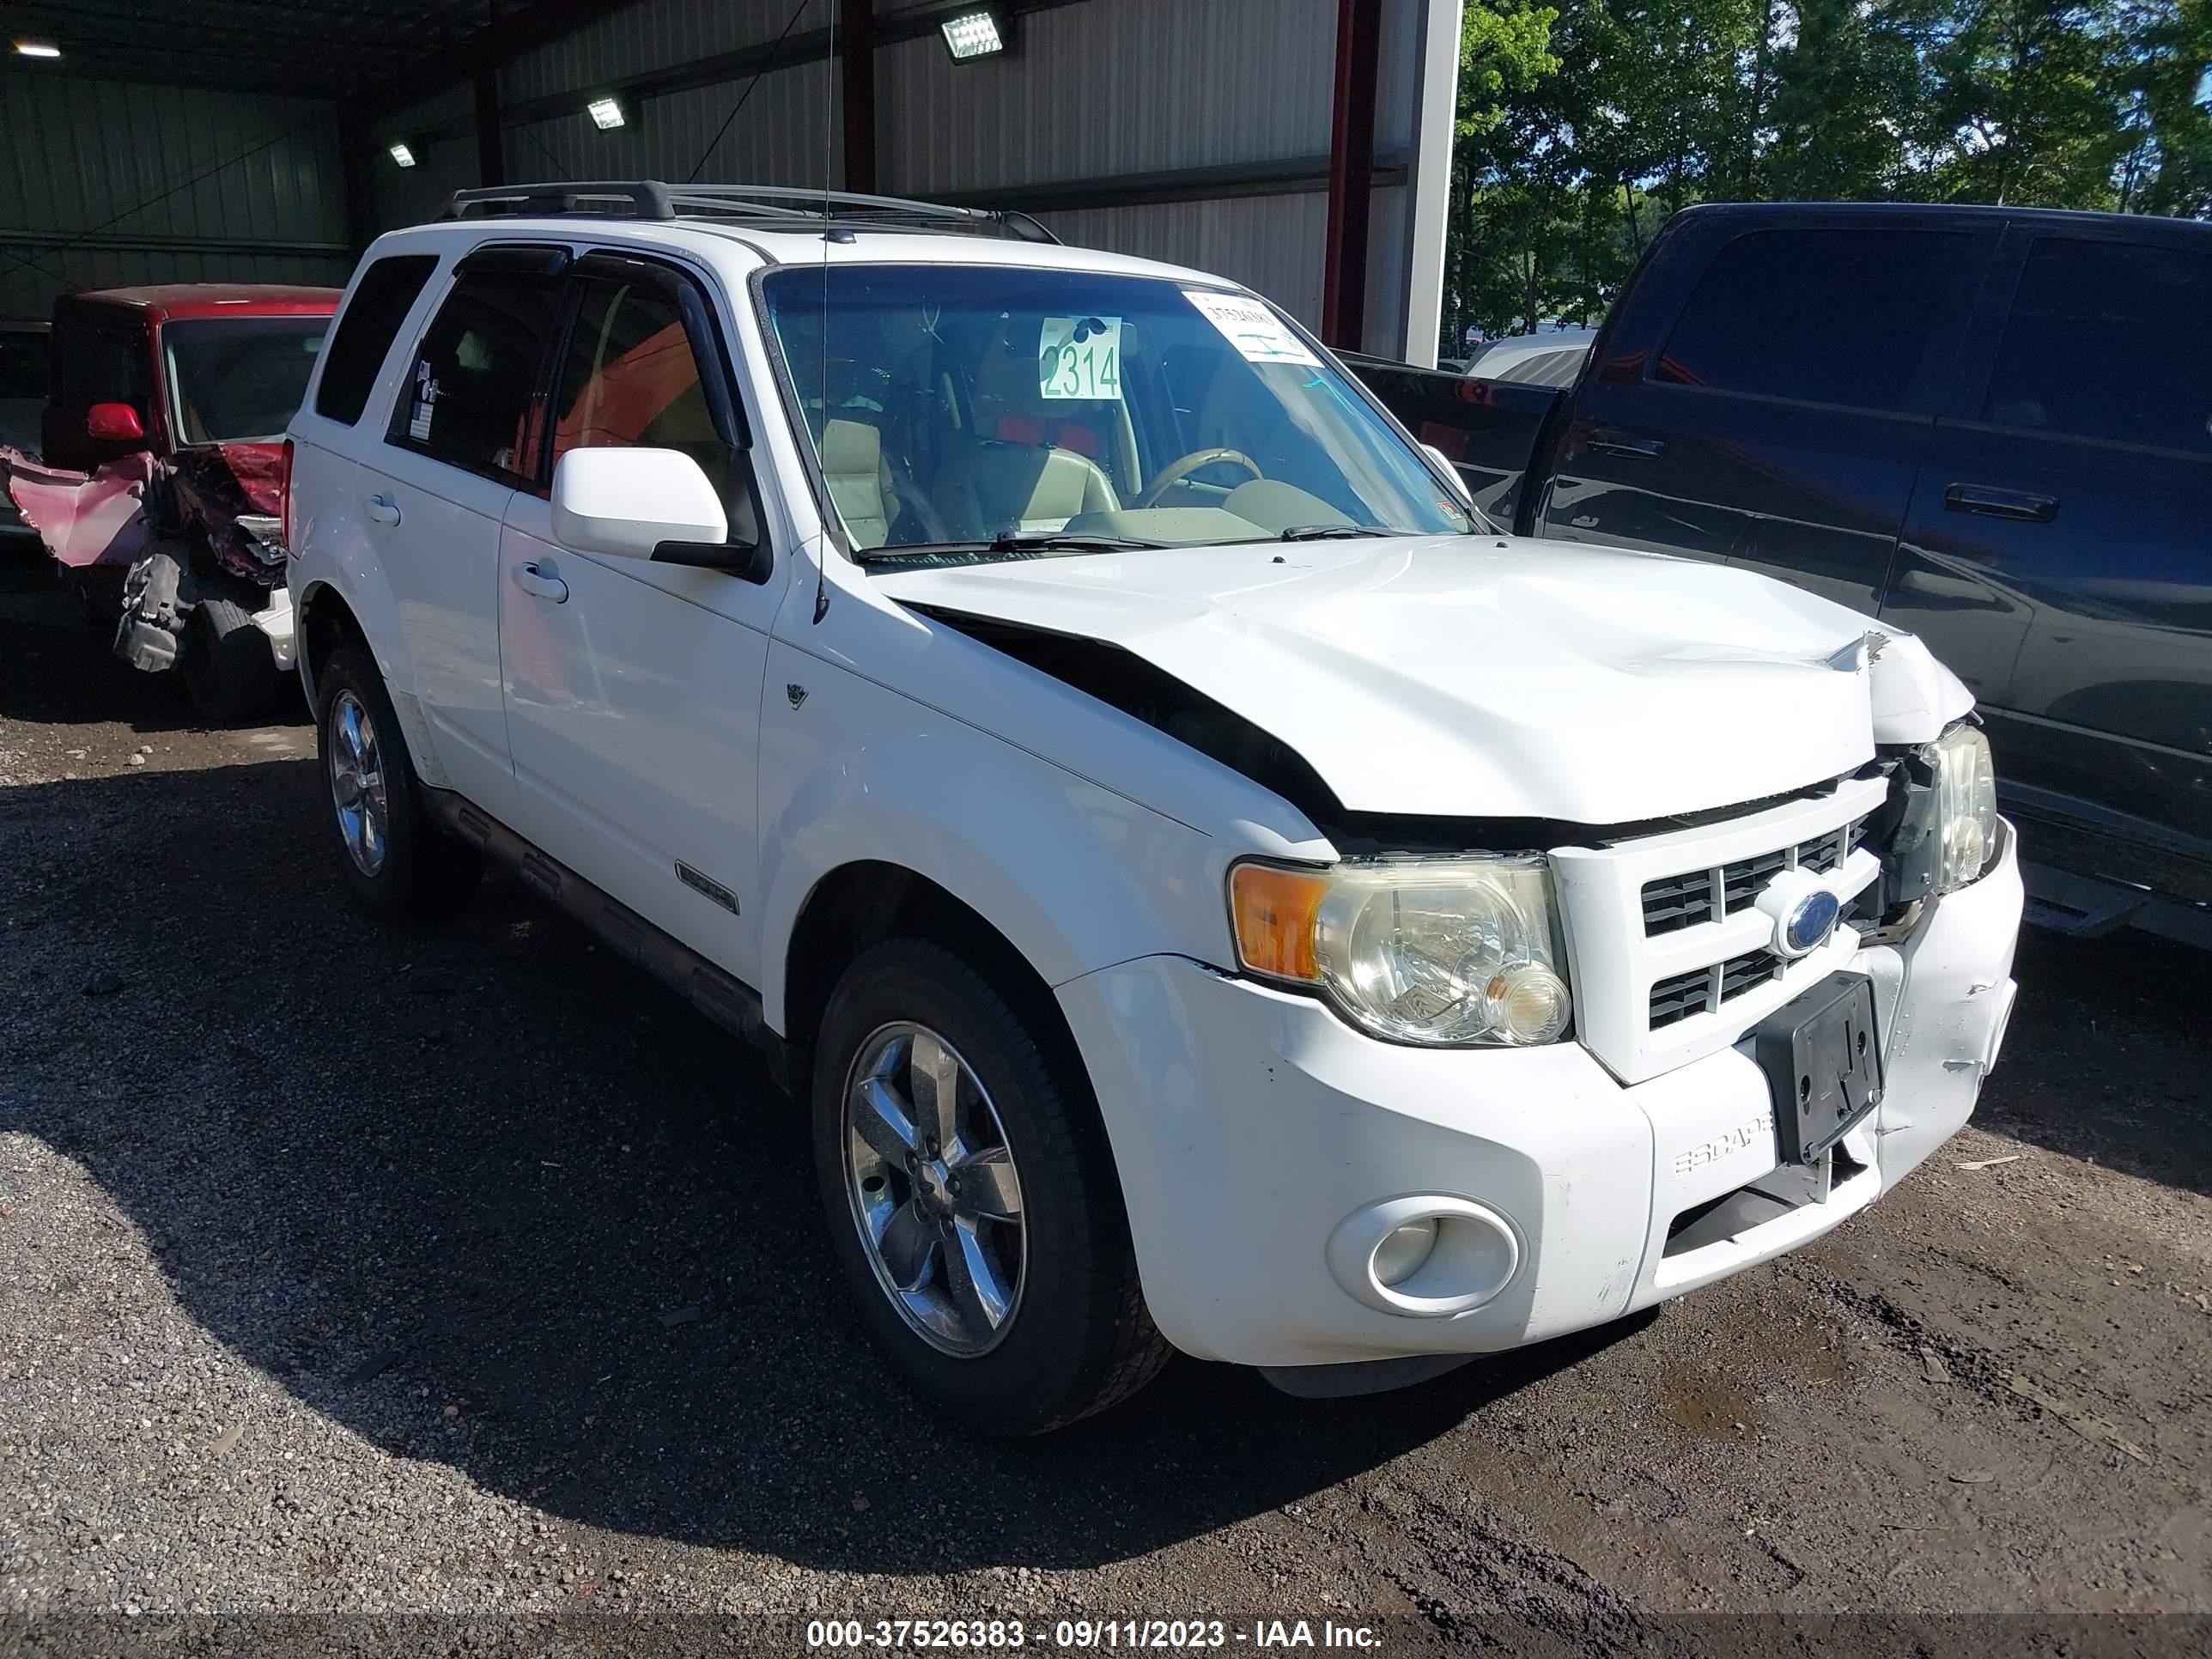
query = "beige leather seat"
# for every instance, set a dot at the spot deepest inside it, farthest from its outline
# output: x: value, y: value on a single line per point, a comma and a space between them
x: 987, y: 483
x: 985, y: 487
x: 859, y: 481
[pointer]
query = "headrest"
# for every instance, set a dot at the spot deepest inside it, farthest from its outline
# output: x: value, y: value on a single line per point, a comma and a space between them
x: 851, y: 449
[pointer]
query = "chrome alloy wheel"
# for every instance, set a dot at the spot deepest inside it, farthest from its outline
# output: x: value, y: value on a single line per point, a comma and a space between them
x: 932, y: 1189
x: 358, y: 782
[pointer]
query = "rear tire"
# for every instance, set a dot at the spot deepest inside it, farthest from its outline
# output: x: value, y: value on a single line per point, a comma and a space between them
x: 1036, y: 1320
x: 229, y: 670
x: 398, y: 863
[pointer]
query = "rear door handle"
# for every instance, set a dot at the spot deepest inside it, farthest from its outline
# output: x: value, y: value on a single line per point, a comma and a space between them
x: 541, y: 584
x: 1608, y: 440
x: 2020, y: 504
x: 381, y: 509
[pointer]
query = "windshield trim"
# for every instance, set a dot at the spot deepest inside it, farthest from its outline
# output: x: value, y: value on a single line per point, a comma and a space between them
x: 833, y: 525
x: 173, y: 401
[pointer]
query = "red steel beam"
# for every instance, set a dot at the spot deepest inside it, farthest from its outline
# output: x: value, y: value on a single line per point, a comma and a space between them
x: 1351, y: 172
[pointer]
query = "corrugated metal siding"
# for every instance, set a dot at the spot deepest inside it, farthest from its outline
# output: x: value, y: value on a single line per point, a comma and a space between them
x: 408, y: 195
x: 653, y: 34
x: 103, y: 184
x: 1113, y: 87
x: 777, y: 138
x: 1093, y: 91
x: 1270, y: 243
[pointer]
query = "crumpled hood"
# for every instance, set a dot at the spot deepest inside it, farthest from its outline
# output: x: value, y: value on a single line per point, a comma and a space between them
x: 223, y: 480
x: 1488, y: 677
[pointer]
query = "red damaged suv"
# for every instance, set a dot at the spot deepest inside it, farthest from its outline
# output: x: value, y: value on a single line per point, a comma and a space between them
x: 158, y: 486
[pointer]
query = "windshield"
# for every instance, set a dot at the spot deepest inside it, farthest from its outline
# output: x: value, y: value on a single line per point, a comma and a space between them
x: 960, y: 406
x: 233, y: 379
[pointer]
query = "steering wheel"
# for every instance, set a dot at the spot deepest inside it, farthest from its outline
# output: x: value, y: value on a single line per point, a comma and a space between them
x: 1176, y: 472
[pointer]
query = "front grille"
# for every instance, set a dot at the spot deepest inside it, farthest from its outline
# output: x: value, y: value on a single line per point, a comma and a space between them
x: 1702, y: 896
x: 1701, y: 990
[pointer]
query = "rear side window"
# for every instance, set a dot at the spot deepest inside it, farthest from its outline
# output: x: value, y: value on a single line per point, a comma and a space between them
x: 1821, y: 316
x: 2109, y: 340
x: 471, y: 397
x: 381, y: 302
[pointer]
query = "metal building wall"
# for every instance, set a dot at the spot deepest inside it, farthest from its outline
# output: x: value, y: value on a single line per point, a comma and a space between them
x: 1225, y: 104
x: 105, y: 184
x: 776, y: 137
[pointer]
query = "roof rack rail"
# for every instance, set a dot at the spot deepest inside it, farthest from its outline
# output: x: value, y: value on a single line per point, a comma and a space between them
x: 649, y: 198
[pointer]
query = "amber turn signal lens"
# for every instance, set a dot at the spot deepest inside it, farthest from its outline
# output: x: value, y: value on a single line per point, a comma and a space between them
x: 1274, y: 912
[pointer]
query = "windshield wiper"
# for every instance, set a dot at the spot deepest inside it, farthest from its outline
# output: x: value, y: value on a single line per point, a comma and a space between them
x: 1008, y: 544
x: 1331, y: 532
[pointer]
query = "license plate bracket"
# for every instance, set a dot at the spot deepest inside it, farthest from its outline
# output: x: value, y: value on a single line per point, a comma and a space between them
x: 1822, y: 1056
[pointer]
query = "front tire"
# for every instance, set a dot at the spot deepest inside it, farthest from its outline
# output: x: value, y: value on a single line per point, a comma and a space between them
x: 229, y: 670
x: 971, y: 1198
x: 399, y: 864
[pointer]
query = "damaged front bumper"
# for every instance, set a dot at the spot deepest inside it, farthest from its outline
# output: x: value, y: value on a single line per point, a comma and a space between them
x: 164, y: 587
x: 1265, y: 1147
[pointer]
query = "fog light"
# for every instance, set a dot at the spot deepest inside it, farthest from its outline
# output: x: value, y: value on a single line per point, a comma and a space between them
x: 1399, y: 1256
x: 1425, y: 1255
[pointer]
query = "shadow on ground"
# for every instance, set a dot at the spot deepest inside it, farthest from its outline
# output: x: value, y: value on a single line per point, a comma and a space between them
x: 2109, y: 1056
x: 492, y: 1169
x: 59, y: 665
x: 486, y: 1195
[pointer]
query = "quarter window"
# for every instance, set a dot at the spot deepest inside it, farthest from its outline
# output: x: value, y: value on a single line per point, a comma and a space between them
x: 1823, y: 316
x: 381, y: 302
x: 2109, y: 340
x: 470, y: 398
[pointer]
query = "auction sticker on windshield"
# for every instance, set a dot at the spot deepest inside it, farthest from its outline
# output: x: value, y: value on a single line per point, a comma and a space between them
x: 1081, y: 358
x: 1252, y: 328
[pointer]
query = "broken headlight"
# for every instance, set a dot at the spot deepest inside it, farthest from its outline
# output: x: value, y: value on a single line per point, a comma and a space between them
x: 1443, y: 952
x: 1966, y: 806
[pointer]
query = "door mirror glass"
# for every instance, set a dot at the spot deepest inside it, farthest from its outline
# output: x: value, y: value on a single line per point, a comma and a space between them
x: 115, y: 423
x: 626, y: 502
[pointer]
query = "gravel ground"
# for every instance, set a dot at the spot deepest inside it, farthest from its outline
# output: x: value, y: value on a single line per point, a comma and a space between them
x: 347, y: 1273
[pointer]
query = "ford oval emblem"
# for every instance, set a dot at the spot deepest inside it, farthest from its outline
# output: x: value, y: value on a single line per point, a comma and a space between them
x: 1810, y: 920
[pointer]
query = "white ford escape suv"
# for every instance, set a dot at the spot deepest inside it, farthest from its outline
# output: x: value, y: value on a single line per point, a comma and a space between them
x: 1213, y: 889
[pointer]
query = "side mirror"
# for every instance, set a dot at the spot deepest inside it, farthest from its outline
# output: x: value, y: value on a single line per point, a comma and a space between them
x: 626, y: 502
x: 113, y: 424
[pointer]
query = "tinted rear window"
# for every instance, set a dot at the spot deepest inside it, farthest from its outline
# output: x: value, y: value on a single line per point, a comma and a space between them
x: 1824, y: 316
x: 379, y: 304
x: 2109, y: 340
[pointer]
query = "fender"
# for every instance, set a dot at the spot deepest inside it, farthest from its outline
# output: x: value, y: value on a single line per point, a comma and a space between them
x: 1076, y: 876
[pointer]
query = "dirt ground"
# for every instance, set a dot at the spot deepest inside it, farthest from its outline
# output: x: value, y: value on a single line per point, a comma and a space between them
x: 468, y: 1273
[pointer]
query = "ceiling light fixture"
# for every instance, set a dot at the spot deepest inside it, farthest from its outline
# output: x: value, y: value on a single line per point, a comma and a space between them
x: 37, y: 49
x: 606, y: 114
x: 402, y: 156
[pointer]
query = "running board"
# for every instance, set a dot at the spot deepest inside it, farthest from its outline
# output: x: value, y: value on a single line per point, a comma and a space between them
x: 729, y: 1002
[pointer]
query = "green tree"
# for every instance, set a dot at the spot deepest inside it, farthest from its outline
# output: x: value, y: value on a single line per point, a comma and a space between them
x: 2025, y: 106
x: 1842, y: 86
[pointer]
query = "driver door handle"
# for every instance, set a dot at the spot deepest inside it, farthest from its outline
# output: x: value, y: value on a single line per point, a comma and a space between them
x: 1611, y: 441
x: 381, y: 509
x: 2020, y: 504
x: 541, y: 584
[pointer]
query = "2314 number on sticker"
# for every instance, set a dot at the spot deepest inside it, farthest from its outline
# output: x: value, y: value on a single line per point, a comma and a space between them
x: 1081, y: 358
